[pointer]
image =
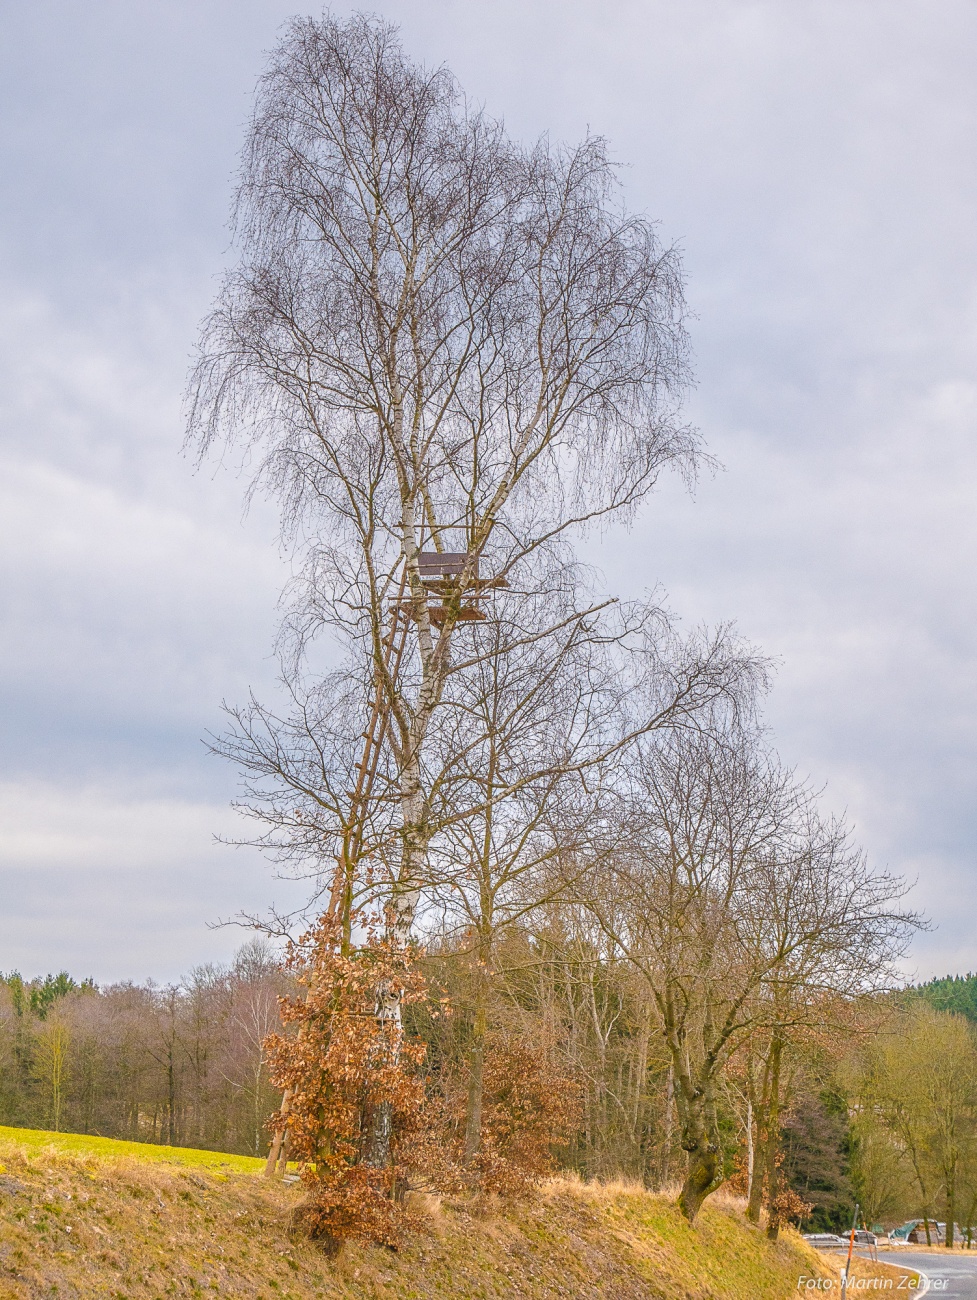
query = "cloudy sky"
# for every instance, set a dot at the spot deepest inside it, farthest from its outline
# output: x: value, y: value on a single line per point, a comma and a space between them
x: 815, y: 160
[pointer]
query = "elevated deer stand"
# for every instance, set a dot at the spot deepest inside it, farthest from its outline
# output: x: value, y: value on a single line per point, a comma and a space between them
x: 453, y: 576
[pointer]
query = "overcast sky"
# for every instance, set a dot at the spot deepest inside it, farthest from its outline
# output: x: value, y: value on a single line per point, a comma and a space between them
x: 816, y: 163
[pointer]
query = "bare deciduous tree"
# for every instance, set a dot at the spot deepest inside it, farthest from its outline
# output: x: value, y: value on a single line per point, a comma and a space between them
x: 437, y: 338
x: 727, y: 896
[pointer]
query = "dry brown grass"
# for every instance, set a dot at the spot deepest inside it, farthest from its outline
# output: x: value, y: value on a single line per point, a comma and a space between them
x: 83, y: 1228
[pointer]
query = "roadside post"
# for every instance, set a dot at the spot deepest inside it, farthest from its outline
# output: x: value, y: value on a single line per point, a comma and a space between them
x: 851, y: 1246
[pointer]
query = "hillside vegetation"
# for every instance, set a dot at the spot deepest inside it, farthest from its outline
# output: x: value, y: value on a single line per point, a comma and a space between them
x: 87, y: 1224
x: 33, y: 1140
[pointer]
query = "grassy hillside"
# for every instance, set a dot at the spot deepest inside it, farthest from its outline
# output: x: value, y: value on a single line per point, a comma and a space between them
x: 84, y: 1144
x: 96, y: 1225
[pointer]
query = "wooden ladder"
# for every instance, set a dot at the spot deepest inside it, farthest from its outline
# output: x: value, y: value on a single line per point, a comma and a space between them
x: 354, y: 828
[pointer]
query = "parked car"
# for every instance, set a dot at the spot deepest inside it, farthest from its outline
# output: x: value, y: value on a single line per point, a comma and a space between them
x: 824, y: 1240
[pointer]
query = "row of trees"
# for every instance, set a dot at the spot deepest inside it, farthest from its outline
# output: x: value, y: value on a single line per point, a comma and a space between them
x: 883, y: 1111
x: 181, y: 1064
x: 881, y: 1108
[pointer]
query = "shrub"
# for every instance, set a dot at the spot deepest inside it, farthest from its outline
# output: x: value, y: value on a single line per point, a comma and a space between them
x: 348, y: 1066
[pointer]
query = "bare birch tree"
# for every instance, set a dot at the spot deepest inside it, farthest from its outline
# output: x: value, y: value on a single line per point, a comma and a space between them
x: 434, y: 338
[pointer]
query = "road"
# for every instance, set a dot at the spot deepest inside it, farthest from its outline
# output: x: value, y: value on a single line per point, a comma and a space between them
x: 951, y: 1276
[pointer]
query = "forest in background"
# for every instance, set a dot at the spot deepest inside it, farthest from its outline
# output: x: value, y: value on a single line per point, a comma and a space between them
x: 893, y: 1122
x: 180, y: 1064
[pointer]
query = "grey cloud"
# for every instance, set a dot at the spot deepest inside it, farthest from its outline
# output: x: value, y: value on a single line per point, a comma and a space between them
x: 814, y: 161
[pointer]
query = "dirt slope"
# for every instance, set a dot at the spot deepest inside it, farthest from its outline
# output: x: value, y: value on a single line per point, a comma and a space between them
x: 74, y: 1225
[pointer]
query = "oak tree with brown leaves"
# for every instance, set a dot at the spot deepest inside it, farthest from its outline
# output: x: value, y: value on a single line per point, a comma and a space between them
x: 342, y: 1064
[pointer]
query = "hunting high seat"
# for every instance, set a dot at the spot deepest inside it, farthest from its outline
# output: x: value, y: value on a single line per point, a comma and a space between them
x: 442, y: 573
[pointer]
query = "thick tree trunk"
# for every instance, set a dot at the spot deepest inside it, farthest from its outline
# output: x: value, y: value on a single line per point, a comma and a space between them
x: 378, y: 1147
x: 378, y: 1150
x: 701, y: 1178
x: 700, y: 1139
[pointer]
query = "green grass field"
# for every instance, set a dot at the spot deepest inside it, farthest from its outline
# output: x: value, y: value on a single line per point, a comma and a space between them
x: 83, y: 1144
